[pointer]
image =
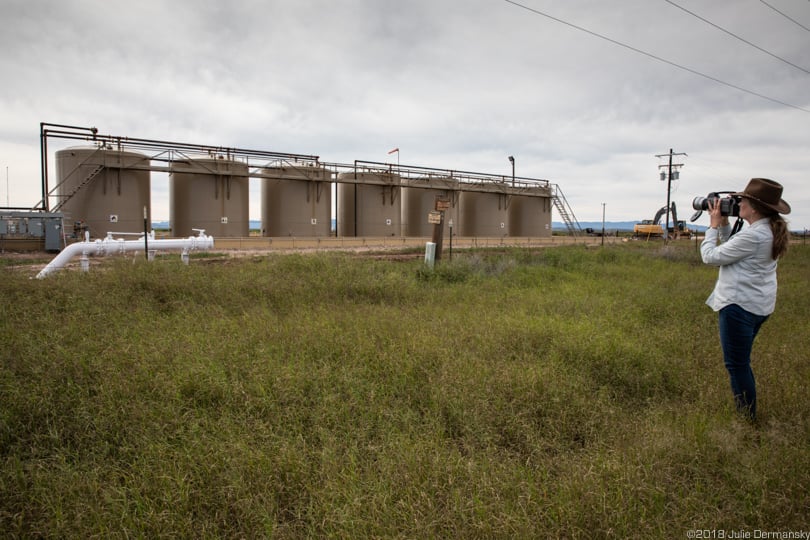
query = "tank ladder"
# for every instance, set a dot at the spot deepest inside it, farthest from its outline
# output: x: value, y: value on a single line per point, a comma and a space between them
x: 565, y: 211
x: 76, y: 189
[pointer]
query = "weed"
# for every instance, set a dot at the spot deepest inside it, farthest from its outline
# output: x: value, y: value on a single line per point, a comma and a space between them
x: 559, y: 392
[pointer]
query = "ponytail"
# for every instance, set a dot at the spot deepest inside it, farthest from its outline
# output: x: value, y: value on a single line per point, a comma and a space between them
x: 781, y: 235
x: 779, y: 228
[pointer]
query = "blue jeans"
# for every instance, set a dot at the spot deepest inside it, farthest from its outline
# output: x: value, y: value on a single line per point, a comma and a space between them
x: 738, y: 328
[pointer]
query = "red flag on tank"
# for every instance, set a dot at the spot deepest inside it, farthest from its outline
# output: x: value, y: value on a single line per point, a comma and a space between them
x: 394, y: 150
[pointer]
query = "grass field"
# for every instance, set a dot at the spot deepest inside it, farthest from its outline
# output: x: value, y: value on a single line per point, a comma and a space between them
x: 563, y: 392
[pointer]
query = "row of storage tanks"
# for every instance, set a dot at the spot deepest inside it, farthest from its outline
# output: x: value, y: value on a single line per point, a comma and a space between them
x: 111, y: 188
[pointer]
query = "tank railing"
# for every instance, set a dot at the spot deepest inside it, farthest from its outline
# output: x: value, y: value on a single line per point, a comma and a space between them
x: 286, y: 162
x: 154, y: 144
x: 78, y: 133
x: 463, y: 177
x: 411, y: 170
x: 431, y: 181
x: 165, y: 151
x: 168, y: 157
x: 123, y: 163
x: 196, y: 166
x: 258, y: 171
x: 304, y: 169
x: 388, y: 176
x: 161, y: 147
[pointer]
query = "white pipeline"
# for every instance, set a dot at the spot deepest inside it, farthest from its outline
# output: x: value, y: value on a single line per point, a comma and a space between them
x: 112, y: 246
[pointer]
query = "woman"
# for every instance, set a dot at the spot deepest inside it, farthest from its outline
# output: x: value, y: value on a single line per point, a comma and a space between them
x: 745, y: 293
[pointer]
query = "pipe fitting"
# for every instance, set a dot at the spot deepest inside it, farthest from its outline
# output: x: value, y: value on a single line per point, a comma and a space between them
x: 110, y: 246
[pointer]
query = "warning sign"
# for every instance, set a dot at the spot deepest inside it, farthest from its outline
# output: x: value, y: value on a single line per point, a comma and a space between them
x: 435, y: 218
x: 442, y: 204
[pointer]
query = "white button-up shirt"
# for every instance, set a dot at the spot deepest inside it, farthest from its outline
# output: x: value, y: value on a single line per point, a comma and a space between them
x: 747, y: 270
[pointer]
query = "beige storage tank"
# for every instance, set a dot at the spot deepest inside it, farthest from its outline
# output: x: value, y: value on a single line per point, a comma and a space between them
x: 530, y: 215
x: 210, y: 194
x: 98, y: 189
x: 371, y: 207
x: 298, y: 202
x: 483, y: 214
x: 418, y: 200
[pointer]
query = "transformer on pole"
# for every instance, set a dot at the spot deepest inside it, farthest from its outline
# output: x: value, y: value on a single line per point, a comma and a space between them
x: 669, y: 176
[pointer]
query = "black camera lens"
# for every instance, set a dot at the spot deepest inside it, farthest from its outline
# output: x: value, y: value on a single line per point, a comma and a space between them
x: 729, y: 206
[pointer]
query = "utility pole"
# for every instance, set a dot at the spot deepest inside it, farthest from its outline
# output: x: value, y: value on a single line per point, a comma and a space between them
x: 669, y: 178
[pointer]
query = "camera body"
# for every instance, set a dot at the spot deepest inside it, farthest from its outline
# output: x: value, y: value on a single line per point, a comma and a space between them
x: 729, y: 206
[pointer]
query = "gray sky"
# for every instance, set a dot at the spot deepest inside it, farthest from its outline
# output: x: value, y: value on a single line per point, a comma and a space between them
x: 456, y: 84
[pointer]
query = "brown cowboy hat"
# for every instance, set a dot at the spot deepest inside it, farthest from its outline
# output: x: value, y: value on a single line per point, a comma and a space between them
x: 767, y: 193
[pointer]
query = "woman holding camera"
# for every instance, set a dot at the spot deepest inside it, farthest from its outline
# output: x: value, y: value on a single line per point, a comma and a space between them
x: 745, y: 292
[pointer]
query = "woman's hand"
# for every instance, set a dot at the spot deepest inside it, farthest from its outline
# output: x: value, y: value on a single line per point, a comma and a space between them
x: 715, y: 218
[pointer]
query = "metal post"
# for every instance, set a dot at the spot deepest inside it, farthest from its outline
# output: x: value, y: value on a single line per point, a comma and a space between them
x: 603, y: 224
x: 512, y: 160
x: 450, y: 256
x: 438, y: 236
x: 145, y: 235
x: 43, y: 152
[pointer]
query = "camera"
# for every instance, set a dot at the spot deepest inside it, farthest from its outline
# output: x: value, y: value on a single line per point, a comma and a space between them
x: 729, y: 206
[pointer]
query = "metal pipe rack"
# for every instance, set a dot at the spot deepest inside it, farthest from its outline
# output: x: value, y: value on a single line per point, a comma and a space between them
x: 164, y: 156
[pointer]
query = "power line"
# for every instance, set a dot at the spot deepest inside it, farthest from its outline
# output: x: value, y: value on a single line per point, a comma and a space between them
x: 732, y: 34
x: 658, y: 58
x: 784, y: 15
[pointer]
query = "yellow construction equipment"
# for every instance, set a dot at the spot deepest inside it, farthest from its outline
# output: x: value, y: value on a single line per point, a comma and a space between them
x: 651, y: 228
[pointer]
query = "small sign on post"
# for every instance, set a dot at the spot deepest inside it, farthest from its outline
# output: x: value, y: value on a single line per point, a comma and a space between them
x: 436, y: 218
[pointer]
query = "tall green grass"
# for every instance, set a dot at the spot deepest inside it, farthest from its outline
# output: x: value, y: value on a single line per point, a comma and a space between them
x: 511, y: 394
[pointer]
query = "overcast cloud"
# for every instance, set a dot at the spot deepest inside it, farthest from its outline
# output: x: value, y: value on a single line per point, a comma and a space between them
x: 457, y: 84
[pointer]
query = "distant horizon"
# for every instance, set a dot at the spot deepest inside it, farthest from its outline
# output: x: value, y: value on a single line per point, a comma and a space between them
x: 625, y: 226
x: 555, y: 225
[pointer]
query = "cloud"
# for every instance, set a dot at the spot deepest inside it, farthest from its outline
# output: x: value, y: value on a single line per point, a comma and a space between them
x: 457, y: 84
